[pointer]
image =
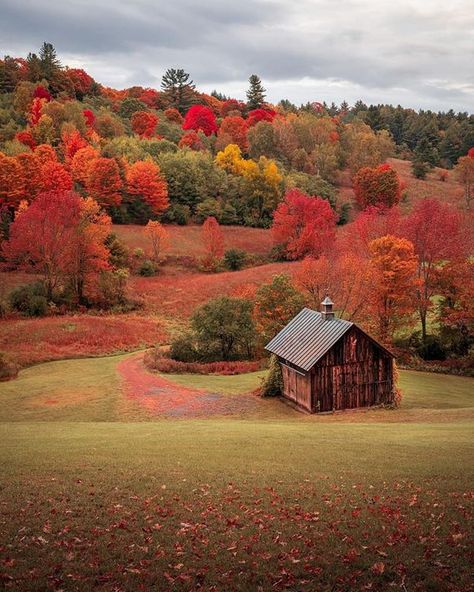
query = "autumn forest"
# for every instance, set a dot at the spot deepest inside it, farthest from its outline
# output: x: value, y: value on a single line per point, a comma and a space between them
x: 152, y: 242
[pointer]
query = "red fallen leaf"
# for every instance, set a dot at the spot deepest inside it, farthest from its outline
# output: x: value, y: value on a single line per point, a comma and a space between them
x: 351, y: 555
x: 8, y: 562
x: 378, y: 568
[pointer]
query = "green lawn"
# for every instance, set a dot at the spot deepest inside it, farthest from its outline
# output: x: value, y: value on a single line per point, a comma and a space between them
x: 376, y: 500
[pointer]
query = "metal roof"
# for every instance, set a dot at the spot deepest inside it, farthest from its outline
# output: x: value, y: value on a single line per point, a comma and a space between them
x: 306, y: 338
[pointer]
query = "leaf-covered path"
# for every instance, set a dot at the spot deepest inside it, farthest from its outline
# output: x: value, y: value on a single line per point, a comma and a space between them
x: 163, y: 397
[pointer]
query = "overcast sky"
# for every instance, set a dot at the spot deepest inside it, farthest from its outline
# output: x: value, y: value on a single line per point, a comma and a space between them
x: 419, y: 53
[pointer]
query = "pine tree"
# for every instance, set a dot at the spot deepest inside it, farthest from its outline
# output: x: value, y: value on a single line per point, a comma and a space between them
x: 255, y: 93
x: 50, y: 64
x: 178, y: 89
x: 34, y: 68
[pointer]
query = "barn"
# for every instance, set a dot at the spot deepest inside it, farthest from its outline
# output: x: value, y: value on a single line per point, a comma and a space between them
x: 329, y: 364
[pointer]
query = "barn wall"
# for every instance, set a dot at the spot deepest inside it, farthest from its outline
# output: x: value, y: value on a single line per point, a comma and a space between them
x: 356, y: 372
x: 297, y: 387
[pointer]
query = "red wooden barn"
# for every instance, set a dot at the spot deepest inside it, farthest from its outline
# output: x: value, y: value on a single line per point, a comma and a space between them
x: 330, y: 364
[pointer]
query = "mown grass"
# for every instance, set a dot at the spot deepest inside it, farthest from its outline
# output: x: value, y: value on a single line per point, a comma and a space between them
x: 357, y: 501
x: 231, y: 505
x: 90, y: 390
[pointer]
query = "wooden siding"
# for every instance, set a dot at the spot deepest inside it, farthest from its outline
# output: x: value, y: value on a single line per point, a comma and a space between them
x: 355, y: 372
x: 297, y: 387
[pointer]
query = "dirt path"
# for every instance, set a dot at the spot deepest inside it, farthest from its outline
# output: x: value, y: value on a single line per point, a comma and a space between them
x: 162, y: 397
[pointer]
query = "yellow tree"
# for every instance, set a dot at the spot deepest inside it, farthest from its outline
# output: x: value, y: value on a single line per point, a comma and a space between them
x: 230, y: 159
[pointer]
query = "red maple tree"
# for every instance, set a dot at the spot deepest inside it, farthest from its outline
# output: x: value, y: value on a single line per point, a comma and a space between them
x: 303, y: 225
x: 436, y: 231
x: 200, y: 118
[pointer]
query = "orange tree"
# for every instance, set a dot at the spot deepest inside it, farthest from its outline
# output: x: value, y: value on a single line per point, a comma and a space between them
x: 378, y: 186
x: 393, y: 282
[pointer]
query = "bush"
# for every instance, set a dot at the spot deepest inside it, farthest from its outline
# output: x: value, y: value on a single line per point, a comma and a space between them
x: 344, y: 214
x: 183, y: 348
x: 147, y: 268
x: 177, y: 214
x: 155, y: 361
x: 224, y: 329
x: 30, y: 300
x: 208, y: 207
x: 419, y: 169
x: 113, y: 287
x: 8, y: 370
x: 118, y: 251
x: 234, y: 259
x: 273, y: 384
x: 431, y: 349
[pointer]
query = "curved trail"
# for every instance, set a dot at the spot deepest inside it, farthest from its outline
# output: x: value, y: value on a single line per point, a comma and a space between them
x: 165, y: 398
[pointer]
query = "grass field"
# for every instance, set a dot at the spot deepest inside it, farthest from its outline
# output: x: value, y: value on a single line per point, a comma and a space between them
x: 280, y: 501
x: 187, y: 240
x: 29, y: 341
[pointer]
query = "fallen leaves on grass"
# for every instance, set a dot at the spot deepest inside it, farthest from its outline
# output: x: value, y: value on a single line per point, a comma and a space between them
x: 321, y: 536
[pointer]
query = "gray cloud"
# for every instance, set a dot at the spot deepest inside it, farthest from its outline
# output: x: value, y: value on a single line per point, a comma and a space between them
x: 412, y: 52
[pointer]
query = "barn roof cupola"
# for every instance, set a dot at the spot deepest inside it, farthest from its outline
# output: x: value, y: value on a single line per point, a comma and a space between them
x: 326, y: 309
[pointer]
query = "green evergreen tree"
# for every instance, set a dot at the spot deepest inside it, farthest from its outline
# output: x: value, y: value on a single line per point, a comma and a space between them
x: 178, y: 89
x: 35, y: 73
x: 255, y: 93
x: 50, y: 64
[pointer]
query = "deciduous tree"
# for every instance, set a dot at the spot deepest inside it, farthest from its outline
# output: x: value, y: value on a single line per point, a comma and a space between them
x: 81, y: 162
x: 345, y: 277
x: 71, y: 143
x: 200, y: 118
x: 144, y: 180
x: 213, y: 242
x: 276, y: 303
x: 104, y: 183
x: 31, y: 173
x: 233, y: 130
x: 55, y: 177
x: 435, y: 229
x: 158, y: 239
x: 304, y: 225
x: 42, y: 234
x: 257, y: 115
x: 378, y: 186
x: 464, y: 171
x: 11, y: 181
x: 393, y: 266
x: 224, y: 329
x: 88, y: 255
x: 144, y: 123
